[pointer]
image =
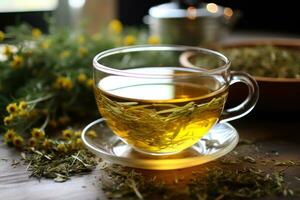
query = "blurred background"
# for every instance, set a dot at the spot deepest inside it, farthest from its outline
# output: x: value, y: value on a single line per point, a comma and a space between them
x: 272, y: 17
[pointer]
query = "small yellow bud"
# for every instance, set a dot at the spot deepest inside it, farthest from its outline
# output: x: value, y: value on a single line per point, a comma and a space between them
x: 79, y: 143
x: 61, y: 147
x: 22, y: 105
x: 129, y: 40
x: 36, y: 33
x: 7, y: 50
x: 8, y: 120
x: 68, y: 133
x: 81, y: 78
x: 23, y: 113
x: 81, y: 39
x: 32, y: 142
x: 77, y: 134
x: 47, y: 143
x: 90, y: 83
x: 63, y: 83
x: 2, y: 36
x: 92, y: 134
x: 153, y: 40
x: 17, y: 62
x: 18, y: 141
x: 9, y: 135
x: 37, y: 133
x: 12, y: 108
x: 115, y: 26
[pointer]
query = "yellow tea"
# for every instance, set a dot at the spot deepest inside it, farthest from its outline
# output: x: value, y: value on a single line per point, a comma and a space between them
x: 160, y: 116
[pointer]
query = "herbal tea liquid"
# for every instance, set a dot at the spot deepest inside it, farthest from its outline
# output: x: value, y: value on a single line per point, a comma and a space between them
x: 160, y: 116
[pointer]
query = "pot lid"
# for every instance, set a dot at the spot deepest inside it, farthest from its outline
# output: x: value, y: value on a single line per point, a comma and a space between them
x: 172, y: 10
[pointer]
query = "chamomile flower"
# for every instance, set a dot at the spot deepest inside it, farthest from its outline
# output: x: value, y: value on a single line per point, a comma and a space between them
x: 36, y: 33
x: 22, y: 105
x: 129, y: 40
x: 9, y: 135
x: 37, y: 133
x: 12, y: 108
x: 153, y: 39
x: 115, y: 26
x: 17, y: 62
x: 8, y: 120
x: 18, y: 141
x: 67, y: 134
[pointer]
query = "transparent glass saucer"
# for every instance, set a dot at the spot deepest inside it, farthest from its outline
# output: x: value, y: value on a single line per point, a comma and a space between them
x: 221, y: 139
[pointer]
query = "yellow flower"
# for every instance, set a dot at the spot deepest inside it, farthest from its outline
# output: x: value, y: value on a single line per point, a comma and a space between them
x: 129, y: 40
x: 61, y: 147
x: 63, y: 83
x: 22, y: 105
x: 23, y: 113
x: 81, y: 78
x: 65, y: 119
x: 47, y: 143
x: 65, y: 54
x: 17, y: 62
x: 77, y: 133
x: 7, y: 50
x: 18, y: 141
x: 46, y: 44
x: 83, y: 51
x: 12, y: 108
x: 8, y: 120
x: 81, y: 39
x: 96, y: 37
x: 9, y: 135
x: 90, y: 83
x: 68, y: 133
x: 115, y: 26
x: 79, y: 143
x: 37, y: 133
x: 92, y: 134
x: 36, y: 33
x: 32, y: 142
x: 2, y: 36
x: 153, y: 39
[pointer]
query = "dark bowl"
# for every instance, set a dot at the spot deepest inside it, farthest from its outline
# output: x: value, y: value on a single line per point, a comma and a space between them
x: 276, y: 94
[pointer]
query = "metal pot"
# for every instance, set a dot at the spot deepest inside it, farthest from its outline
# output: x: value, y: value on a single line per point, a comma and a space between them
x: 192, y: 26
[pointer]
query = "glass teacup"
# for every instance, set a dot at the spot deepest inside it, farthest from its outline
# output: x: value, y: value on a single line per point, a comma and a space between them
x: 163, y: 99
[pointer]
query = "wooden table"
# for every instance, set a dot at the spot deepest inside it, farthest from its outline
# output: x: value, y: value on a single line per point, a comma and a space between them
x: 280, y: 132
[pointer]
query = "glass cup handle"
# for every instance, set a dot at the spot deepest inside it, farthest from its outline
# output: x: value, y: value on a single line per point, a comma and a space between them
x: 248, y: 104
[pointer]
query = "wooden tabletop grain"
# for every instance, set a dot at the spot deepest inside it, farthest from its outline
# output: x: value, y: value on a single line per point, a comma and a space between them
x: 272, y: 132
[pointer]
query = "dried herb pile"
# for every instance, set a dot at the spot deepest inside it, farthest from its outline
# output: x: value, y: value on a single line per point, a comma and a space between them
x: 237, y: 176
x: 266, y: 61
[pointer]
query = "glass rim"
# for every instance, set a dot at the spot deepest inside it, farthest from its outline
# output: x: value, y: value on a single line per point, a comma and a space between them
x: 137, y: 48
